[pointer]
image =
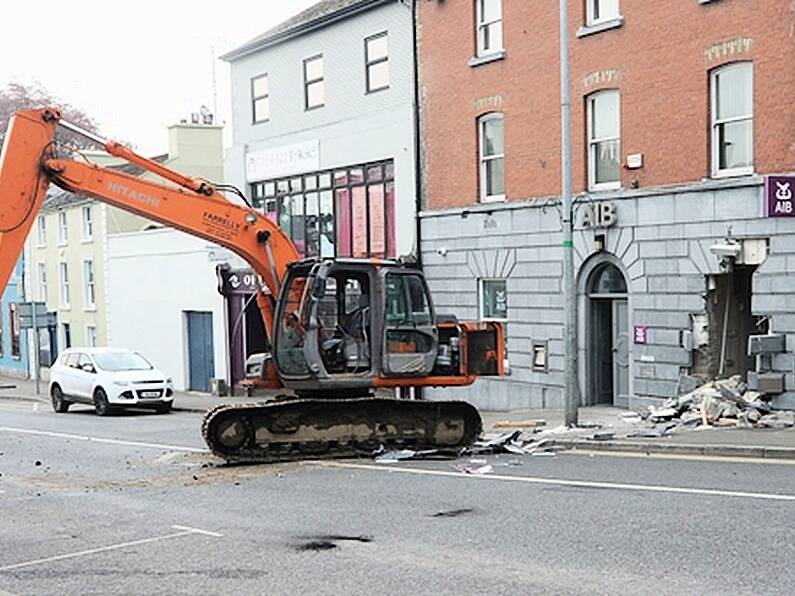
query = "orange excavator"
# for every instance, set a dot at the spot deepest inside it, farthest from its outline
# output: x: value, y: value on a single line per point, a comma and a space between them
x: 344, y: 333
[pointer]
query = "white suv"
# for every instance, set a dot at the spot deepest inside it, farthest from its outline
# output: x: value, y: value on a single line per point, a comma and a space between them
x: 108, y: 378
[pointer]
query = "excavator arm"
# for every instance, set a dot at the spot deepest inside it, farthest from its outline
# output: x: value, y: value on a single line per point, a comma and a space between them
x: 29, y: 164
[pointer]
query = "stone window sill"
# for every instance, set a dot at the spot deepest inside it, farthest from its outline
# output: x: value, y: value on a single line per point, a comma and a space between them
x: 485, y: 59
x: 587, y: 30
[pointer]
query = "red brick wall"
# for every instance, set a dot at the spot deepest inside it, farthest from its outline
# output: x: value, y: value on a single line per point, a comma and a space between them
x: 663, y: 77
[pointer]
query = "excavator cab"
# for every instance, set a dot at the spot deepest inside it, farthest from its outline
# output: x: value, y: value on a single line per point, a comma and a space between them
x: 345, y: 324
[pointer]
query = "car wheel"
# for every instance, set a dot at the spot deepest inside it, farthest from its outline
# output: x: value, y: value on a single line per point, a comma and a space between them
x: 163, y: 408
x: 101, y: 405
x: 59, y: 404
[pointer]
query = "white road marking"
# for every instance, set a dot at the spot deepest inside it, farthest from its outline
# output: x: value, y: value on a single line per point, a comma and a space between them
x: 197, y: 531
x: 35, y: 406
x: 679, y: 456
x: 4, y: 593
x: 183, y: 532
x: 44, y: 433
x: 575, y: 483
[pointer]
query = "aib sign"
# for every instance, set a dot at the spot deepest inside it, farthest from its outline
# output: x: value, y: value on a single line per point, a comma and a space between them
x: 780, y: 192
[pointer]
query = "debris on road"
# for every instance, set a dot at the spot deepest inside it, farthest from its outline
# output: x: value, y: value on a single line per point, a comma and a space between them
x: 536, y: 423
x: 454, y: 512
x: 603, y: 435
x: 391, y: 457
x: 476, y: 470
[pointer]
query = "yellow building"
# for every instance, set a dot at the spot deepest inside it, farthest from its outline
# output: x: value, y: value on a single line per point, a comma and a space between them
x: 67, y: 248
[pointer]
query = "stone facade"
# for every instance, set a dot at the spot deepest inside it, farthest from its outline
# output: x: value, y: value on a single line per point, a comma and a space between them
x: 661, y: 243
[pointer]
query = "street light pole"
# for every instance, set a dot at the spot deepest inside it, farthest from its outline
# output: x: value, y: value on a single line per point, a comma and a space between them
x: 571, y: 393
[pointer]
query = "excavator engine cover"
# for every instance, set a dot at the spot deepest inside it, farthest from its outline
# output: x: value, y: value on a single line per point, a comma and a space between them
x: 324, y: 429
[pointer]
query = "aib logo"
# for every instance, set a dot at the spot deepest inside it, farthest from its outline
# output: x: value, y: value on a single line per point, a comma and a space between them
x: 781, y: 197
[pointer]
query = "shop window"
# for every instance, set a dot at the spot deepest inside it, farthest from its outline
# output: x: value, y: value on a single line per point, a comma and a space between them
x: 14, y: 330
x: 732, y: 120
x: 604, y: 141
x: 355, y: 219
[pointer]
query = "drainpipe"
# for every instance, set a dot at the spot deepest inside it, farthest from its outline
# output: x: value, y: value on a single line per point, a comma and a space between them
x: 417, y: 132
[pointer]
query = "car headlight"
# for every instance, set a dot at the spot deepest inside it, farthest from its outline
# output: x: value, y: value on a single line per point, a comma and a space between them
x: 121, y: 383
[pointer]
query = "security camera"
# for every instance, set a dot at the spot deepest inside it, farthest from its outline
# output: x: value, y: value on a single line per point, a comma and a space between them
x: 442, y: 252
x: 726, y: 249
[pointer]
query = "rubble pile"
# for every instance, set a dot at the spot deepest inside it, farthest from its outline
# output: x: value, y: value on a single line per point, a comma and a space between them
x: 722, y: 403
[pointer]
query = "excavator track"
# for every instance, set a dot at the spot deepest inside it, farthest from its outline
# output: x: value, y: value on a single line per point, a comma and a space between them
x: 300, y: 429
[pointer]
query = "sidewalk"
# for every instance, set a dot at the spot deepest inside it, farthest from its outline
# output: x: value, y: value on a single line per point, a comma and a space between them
x: 600, y: 420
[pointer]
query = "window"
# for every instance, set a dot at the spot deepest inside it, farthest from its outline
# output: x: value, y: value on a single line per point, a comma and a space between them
x: 89, y: 289
x: 314, y: 85
x: 13, y: 320
x: 540, y: 356
x: 376, y: 57
x: 492, y: 157
x: 91, y: 336
x: 600, y: 11
x: 41, y: 231
x: 732, y: 120
x: 63, y: 235
x: 604, y: 141
x: 345, y: 212
x: 63, y: 272
x: 489, y: 26
x: 260, y: 99
x: 66, y: 333
x: 493, y: 300
x: 41, y: 276
x: 88, y: 223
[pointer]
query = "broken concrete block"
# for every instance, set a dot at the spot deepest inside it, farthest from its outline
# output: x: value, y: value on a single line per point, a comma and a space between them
x: 778, y: 420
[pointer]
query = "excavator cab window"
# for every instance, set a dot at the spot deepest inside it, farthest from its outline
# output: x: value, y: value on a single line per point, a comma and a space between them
x: 410, y: 340
x: 292, y: 327
x: 344, y: 318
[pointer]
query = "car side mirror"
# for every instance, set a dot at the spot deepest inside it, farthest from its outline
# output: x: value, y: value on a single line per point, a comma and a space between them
x: 89, y: 368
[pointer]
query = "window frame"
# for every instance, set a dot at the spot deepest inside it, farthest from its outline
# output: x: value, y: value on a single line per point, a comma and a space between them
x: 368, y: 64
x: 15, y: 331
x: 41, y: 231
x: 715, y: 122
x: 592, y: 142
x: 63, y: 285
x: 481, y: 302
x: 63, y: 228
x: 89, y: 343
x: 41, y: 281
x: 255, y: 98
x: 89, y: 285
x: 480, y: 25
x: 590, y: 20
x: 308, y: 82
x: 86, y: 223
x: 481, y: 123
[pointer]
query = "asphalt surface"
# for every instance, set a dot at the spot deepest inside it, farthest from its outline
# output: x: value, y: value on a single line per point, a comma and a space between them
x: 132, y: 505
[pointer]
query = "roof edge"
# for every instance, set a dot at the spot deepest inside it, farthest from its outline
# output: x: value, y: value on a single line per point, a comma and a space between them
x: 302, y: 29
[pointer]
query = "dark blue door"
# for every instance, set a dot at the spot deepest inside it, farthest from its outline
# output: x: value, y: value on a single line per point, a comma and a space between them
x: 200, y: 350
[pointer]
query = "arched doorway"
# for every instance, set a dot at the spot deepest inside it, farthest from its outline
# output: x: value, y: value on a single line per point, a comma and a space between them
x: 607, y: 336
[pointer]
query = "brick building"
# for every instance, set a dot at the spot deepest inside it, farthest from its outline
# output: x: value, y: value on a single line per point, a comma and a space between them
x: 681, y: 113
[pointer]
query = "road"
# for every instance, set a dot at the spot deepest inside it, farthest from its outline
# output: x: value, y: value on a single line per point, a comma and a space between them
x: 132, y: 504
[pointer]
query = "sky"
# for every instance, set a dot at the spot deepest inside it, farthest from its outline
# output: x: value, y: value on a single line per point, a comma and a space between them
x: 135, y: 67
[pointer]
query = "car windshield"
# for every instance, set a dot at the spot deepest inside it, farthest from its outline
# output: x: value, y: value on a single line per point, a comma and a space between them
x: 118, y: 361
